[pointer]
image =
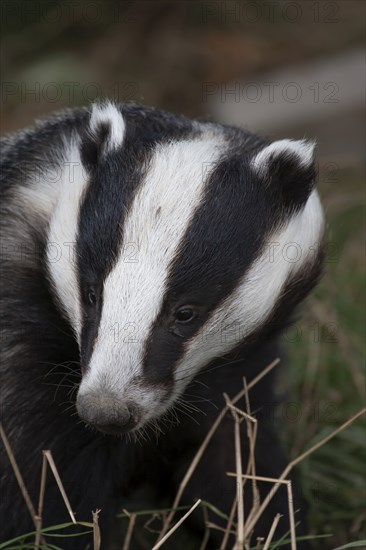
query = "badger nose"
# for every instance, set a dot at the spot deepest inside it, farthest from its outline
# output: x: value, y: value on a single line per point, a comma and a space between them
x: 107, y: 413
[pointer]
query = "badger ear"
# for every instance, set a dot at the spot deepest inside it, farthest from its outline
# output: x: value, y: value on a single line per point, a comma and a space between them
x: 104, y: 134
x: 287, y: 167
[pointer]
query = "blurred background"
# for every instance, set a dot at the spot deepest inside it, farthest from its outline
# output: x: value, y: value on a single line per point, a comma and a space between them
x: 283, y: 69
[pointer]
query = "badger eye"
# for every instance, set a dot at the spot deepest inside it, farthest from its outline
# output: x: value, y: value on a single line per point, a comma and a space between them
x: 185, y: 315
x: 92, y: 297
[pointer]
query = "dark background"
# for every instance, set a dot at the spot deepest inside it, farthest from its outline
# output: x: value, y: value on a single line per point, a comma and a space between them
x: 284, y: 69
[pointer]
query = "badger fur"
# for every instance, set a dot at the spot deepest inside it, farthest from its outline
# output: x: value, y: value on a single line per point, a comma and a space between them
x: 145, y: 258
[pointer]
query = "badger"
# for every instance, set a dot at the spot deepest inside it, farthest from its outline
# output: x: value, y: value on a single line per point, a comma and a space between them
x: 150, y: 262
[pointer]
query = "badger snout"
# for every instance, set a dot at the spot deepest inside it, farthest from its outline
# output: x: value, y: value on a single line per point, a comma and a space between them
x: 107, y: 413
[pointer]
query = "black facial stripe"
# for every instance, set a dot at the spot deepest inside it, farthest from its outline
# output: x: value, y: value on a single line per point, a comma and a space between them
x: 225, y: 236
x: 110, y: 193
x: 295, y: 290
x: 114, y: 181
x: 91, y: 319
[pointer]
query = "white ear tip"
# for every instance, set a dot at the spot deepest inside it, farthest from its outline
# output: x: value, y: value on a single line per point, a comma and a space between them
x: 108, y: 114
x: 301, y: 149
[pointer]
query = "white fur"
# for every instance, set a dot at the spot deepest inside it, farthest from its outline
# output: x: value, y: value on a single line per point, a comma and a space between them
x: 107, y: 113
x: 301, y: 149
x: 253, y: 300
x: 62, y: 235
x: 40, y: 186
x: 134, y: 291
x: 41, y: 191
x: 33, y: 203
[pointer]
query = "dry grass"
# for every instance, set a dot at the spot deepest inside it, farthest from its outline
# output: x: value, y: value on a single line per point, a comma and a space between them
x: 175, y: 527
x: 246, y: 519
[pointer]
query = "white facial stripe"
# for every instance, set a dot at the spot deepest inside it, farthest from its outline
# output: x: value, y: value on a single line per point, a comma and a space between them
x: 62, y: 236
x: 302, y: 150
x: 252, y: 302
x: 108, y: 114
x: 133, y: 292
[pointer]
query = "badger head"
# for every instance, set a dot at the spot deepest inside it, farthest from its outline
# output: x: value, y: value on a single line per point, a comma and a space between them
x: 186, y: 236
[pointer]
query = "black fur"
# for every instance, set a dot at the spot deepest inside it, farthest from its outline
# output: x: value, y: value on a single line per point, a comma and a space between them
x: 40, y: 351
